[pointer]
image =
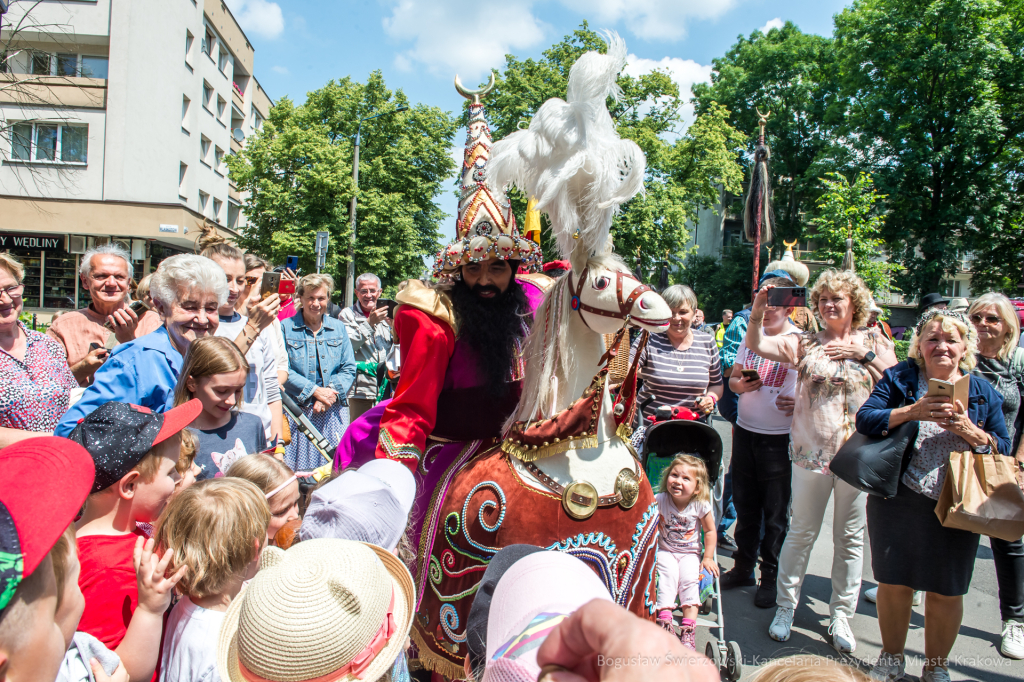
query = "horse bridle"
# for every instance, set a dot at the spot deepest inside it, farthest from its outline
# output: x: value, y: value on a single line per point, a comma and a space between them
x: 577, y: 304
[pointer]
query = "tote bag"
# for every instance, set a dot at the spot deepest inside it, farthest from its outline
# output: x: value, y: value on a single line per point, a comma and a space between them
x: 875, y: 464
x: 981, y: 495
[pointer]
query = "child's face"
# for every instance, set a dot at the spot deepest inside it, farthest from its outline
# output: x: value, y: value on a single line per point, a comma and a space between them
x: 152, y: 496
x: 284, y: 507
x: 72, y: 604
x: 37, y: 653
x: 218, y: 392
x: 681, y: 482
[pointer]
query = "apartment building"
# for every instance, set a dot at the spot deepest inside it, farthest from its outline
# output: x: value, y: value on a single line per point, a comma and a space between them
x: 117, y: 117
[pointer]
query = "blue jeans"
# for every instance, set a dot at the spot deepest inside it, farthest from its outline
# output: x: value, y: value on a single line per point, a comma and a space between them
x: 729, y: 513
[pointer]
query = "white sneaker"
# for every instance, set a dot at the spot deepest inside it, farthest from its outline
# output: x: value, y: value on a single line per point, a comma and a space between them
x: 872, y: 596
x: 936, y: 674
x: 1012, y: 645
x: 842, y: 636
x: 888, y: 668
x: 781, y: 624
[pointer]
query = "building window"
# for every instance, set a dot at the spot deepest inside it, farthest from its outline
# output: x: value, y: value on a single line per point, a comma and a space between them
x: 5, y: 66
x: 67, y: 65
x: 185, y: 104
x: 182, y: 172
x: 94, y: 67
x: 41, y: 63
x: 233, y: 215
x: 208, y: 41
x: 217, y: 206
x: 218, y: 158
x: 189, y: 39
x: 222, y: 62
x: 221, y: 108
x: 207, y: 95
x: 204, y: 199
x: 257, y: 120
x: 204, y: 150
x: 50, y: 143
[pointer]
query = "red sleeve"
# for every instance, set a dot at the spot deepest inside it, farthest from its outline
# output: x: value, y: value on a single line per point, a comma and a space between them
x: 108, y: 583
x: 427, y: 344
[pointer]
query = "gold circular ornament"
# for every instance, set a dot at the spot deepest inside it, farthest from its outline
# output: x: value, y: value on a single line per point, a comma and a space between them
x: 579, y: 500
x: 627, y: 485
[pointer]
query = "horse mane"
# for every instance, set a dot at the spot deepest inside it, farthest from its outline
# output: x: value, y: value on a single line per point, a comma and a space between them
x: 548, y: 352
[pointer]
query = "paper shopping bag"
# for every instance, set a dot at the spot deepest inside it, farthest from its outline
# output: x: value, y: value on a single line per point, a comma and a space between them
x: 981, y: 495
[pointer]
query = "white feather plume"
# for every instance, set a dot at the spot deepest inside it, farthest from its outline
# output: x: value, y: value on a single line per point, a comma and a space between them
x: 571, y: 159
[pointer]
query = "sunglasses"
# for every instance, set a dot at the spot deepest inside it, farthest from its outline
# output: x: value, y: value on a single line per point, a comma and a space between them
x: 989, y: 319
x: 251, y: 280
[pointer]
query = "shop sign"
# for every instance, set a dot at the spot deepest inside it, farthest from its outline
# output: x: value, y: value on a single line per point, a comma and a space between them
x: 37, y: 242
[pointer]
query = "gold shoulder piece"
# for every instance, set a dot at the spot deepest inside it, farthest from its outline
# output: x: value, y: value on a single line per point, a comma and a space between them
x: 432, y: 301
x: 539, y: 280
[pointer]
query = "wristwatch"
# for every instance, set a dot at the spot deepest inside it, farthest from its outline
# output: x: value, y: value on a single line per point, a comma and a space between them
x: 985, y: 449
x: 868, y: 357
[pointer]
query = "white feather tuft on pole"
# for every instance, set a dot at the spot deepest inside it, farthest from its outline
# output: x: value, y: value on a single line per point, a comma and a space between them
x: 572, y: 160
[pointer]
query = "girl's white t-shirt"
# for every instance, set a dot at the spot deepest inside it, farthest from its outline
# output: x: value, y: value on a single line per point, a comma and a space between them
x: 756, y: 410
x: 680, y: 530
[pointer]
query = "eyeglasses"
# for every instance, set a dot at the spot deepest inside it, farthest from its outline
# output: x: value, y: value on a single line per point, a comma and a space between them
x: 251, y: 280
x: 989, y: 319
x: 15, y: 291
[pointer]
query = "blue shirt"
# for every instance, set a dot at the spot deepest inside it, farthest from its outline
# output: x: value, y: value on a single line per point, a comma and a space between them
x: 141, y: 372
x: 322, y: 359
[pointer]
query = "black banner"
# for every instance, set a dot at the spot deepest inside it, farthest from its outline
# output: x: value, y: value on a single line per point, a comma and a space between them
x: 36, y: 242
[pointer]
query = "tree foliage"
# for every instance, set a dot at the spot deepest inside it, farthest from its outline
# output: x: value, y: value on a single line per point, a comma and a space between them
x: 683, y: 174
x: 851, y: 211
x: 720, y: 283
x: 298, y: 173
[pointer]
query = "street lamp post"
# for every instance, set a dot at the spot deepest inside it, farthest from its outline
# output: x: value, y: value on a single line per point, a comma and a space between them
x: 350, y: 284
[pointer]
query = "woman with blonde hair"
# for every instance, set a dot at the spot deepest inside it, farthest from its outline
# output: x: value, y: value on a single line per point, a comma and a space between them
x: 279, y: 486
x: 910, y: 549
x: 1001, y: 363
x: 836, y: 370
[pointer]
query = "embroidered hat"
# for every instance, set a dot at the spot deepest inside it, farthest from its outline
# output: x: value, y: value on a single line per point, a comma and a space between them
x: 536, y: 594
x: 32, y: 517
x: 119, y: 435
x: 486, y: 227
x: 324, y: 610
x: 370, y: 504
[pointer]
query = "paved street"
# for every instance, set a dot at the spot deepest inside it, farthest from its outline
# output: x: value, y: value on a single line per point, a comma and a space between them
x: 975, y: 655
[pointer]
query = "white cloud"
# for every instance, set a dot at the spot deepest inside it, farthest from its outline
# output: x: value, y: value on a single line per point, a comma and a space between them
x: 650, y: 19
x: 685, y: 72
x: 772, y: 23
x: 259, y: 17
x: 280, y: 69
x: 467, y: 37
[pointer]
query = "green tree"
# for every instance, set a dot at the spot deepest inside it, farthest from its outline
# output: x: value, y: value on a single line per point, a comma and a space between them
x: 792, y: 75
x: 933, y: 88
x: 720, y: 283
x: 298, y: 173
x: 843, y: 211
x: 684, y: 172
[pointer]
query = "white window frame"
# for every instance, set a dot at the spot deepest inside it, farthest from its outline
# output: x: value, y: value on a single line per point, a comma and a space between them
x: 208, y: 95
x: 33, y: 143
x: 205, y: 144
x: 54, y: 60
x: 204, y: 202
x: 182, y: 178
x: 217, y: 209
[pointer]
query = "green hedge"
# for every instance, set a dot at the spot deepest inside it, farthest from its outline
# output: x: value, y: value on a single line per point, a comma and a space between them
x: 901, y: 349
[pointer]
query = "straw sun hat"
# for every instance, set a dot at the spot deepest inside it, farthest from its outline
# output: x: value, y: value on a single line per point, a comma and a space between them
x: 318, y: 611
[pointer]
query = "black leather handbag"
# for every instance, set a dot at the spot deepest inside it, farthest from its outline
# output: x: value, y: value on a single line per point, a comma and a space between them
x: 874, y: 464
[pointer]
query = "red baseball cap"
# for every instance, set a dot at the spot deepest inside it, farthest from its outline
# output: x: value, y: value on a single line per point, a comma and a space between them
x: 32, y: 517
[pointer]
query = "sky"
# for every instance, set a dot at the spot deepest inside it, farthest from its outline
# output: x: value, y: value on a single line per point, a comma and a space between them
x: 420, y: 45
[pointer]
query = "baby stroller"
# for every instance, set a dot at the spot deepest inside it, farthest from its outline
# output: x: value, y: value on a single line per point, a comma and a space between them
x: 671, y: 434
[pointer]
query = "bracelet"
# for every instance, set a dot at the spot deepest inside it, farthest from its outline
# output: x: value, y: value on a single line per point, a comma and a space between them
x: 758, y: 321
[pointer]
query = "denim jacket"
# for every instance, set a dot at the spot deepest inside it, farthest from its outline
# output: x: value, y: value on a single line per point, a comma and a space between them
x: 898, y: 387
x: 331, y: 344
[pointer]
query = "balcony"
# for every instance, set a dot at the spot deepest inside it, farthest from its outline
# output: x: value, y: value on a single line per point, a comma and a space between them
x: 55, y: 91
x: 237, y: 96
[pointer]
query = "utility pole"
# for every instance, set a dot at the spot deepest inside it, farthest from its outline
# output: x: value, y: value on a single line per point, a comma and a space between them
x: 350, y: 276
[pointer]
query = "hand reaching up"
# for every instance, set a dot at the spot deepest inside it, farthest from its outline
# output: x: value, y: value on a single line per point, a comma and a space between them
x: 150, y: 571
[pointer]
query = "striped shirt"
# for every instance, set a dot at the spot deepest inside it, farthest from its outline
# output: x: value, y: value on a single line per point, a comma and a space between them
x: 677, y: 377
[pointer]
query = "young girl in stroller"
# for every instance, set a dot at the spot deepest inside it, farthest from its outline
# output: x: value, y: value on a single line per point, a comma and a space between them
x: 684, y: 502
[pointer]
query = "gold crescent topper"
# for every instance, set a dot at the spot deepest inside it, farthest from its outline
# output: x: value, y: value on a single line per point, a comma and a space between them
x: 791, y: 244
x: 474, y: 95
x: 762, y: 119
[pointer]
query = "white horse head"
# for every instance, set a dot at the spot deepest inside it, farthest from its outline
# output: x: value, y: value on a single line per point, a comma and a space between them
x: 606, y: 297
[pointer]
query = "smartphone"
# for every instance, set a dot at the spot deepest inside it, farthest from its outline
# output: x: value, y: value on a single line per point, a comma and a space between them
x: 287, y: 287
x: 94, y: 346
x: 750, y: 374
x: 271, y: 284
x: 292, y: 263
x: 787, y: 297
x: 137, y: 307
x: 960, y: 390
x: 391, y: 305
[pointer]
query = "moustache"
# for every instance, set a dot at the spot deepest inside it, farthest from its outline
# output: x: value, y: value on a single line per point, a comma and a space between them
x: 485, y: 288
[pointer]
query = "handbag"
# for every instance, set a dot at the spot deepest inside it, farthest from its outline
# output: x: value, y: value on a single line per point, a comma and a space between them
x: 874, y: 464
x: 981, y: 495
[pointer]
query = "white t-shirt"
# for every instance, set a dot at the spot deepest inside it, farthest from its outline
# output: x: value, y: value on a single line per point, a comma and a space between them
x: 756, y: 409
x: 190, y: 644
x: 261, y: 386
x: 680, y: 530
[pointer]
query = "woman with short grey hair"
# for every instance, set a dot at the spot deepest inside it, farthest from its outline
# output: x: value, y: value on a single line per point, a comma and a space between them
x: 186, y: 290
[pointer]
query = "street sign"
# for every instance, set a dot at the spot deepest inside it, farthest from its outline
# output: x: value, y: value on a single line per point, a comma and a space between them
x: 321, y: 249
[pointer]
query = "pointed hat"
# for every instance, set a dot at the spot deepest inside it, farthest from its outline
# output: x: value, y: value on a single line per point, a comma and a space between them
x: 486, y: 227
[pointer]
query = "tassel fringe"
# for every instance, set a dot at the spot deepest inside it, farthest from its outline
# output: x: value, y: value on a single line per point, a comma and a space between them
x: 434, y: 663
x: 526, y: 453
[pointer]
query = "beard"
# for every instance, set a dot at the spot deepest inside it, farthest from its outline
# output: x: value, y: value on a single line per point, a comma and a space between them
x: 491, y: 326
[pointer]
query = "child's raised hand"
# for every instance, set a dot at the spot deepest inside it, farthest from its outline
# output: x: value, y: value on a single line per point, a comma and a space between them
x: 710, y: 564
x: 150, y: 571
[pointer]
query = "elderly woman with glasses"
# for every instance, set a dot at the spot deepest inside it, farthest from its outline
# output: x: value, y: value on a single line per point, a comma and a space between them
x: 1001, y: 363
x: 34, y: 374
x: 910, y: 549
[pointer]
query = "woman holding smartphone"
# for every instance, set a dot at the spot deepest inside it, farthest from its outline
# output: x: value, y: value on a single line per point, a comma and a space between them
x: 837, y: 368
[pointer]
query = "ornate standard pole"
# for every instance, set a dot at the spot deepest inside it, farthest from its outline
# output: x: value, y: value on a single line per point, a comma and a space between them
x: 758, y: 209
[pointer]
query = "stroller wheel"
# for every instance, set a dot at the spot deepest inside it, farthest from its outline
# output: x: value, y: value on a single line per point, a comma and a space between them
x: 733, y: 662
x: 712, y: 652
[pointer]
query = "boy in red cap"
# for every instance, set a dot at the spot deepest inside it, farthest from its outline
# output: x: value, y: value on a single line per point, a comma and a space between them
x: 135, y: 452
x: 32, y: 518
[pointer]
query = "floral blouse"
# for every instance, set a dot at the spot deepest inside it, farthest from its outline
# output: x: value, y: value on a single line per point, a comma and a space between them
x: 34, y: 393
x: 927, y: 469
x: 828, y: 395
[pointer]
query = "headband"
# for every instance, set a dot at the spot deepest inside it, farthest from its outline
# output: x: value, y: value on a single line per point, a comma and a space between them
x: 957, y: 315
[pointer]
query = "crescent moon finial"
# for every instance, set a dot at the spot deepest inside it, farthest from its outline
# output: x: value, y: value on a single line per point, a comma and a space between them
x: 474, y: 95
x: 790, y: 244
